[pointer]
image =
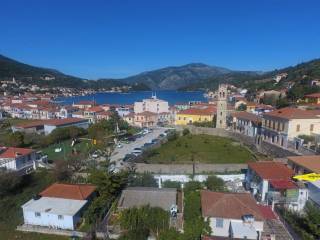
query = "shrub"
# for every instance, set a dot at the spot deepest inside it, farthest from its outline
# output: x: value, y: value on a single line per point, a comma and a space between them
x: 214, y: 183
x: 185, y: 132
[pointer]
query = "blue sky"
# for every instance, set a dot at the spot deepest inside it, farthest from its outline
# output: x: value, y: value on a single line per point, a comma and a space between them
x: 118, y: 38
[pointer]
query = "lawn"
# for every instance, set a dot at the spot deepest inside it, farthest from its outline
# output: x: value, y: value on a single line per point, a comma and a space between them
x: 82, y: 146
x: 10, y: 208
x: 201, y: 149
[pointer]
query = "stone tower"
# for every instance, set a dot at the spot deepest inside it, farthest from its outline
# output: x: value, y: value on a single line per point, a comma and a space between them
x: 222, y: 107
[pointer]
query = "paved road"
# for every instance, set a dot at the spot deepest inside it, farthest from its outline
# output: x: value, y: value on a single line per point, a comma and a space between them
x: 119, y: 153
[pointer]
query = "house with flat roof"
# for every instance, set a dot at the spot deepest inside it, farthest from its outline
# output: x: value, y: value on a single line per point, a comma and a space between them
x: 154, y: 197
x: 232, y: 215
x: 271, y: 183
x: 17, y: 159
x: 59, y: 206
x: 53, y: 212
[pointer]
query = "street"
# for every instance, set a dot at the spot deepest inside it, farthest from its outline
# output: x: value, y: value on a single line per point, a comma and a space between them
x: 119, y: 153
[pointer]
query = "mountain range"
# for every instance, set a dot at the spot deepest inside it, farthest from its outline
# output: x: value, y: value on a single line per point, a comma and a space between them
x: 186, y: 77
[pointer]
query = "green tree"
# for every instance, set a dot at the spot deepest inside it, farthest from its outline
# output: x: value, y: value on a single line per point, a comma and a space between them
x: 171, y: 234
x: 194, y: 226
x: 15, y: 139
x: 145, y: 220
x: 9, y: 182
x: 171, y: 184
x: 185, y: 132
x: 214, y: 183
x: 143, y: 180
x: 242, y: 107
x: 192, y: 186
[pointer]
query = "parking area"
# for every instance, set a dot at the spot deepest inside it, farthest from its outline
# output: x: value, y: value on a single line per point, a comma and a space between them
x: 127, y: 148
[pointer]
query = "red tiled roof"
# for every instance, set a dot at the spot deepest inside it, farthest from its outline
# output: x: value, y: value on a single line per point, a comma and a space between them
x: 69, y: 191
x: 311, y: 162
x: 271, y: 170
x: 12, y: 152
x: 95, y: 109
x: 105, y: 113
x: 313, y: 95
x: 246, y: 116
x: 267, y: 212
x: 293, y: 113
x: 53, y: 122
x: 228, y: 205
x: 199, y: 111
x: 63, y: 121
x: 283, y: 184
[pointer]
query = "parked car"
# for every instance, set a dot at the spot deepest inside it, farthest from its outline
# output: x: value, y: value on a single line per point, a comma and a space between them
x: 128, y: 157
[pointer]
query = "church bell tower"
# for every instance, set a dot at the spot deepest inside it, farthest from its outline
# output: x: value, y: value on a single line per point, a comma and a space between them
x: 222, y: 107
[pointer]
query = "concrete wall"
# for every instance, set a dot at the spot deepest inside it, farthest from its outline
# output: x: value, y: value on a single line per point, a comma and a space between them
x: 48, y: 220
x: 189, y: 168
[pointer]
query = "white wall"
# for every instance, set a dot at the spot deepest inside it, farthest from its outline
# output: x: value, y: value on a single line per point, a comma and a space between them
x: 224, y: 231
x: 49, y: 220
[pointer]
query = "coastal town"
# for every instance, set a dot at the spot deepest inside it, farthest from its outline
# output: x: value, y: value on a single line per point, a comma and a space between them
x: 159, y: 120
x: 106, y: 165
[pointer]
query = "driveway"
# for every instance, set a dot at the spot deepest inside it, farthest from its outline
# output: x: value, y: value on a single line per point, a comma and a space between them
x: 119, y: 153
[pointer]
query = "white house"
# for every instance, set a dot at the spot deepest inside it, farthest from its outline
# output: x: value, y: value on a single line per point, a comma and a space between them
x: 153, y: 105
x: 53, y: 212
x: 270, y: 182
x: 232, y: 215
x: 50, y: 125
x: 58, y: 206
x: 17, y: 159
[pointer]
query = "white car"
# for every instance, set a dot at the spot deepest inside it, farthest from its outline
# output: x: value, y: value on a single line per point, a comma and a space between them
x: 119, y: 146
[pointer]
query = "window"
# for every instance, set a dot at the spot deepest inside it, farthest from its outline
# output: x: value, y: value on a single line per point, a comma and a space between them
x: 37, y: 214
x: 219, y: 222
x: 60, y: 217
x: 298, y: 128
x: 311, y: 127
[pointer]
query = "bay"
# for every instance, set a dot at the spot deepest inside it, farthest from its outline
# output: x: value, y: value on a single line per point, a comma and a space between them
x: 171, y: 96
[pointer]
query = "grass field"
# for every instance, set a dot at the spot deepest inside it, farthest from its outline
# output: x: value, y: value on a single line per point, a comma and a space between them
x: 200, y: 148
x: 11, y: 213
x: 66, y: 149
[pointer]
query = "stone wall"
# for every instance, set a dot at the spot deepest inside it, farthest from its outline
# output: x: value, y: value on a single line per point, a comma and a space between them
x: 197, y: 168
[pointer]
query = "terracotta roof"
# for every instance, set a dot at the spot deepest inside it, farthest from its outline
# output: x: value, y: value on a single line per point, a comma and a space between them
x: 246, y: 116
x: 12, y: 152
x: 30, y: 124
x: 199, y: 111
x: 105, y: 113
x: 267, y: 212
x: 69, y: 191
x: 293, y: 113
x: 271, y: 170
x: 228, y: 205
x: 283, y: 184
x: 63, y: 121
x: 312, y: 162
x: 313, y: 95
x: 95, y: 109
x: 53, y: 122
